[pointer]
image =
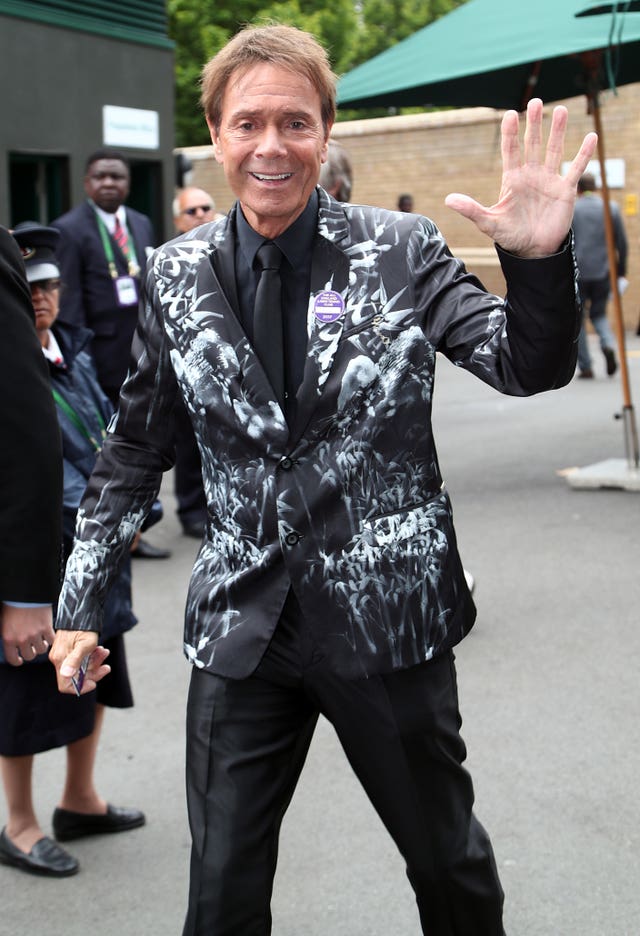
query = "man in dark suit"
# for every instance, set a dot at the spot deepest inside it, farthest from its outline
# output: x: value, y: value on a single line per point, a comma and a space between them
x: 329, y: 578
x: 30, y: 472
x: 102, y: 254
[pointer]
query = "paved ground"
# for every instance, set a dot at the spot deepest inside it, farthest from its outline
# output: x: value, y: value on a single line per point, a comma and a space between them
x: 548, y: 692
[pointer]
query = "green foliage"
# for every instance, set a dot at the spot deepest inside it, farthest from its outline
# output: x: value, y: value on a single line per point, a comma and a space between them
x: 386, y: 22
x: 352, y: 32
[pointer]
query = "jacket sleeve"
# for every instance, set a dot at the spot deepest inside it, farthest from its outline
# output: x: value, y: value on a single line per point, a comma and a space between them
x: 30, y: 453
x: 522, y: 344
x: 127, y: 476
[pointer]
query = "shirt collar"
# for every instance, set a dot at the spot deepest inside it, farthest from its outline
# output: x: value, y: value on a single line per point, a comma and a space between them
x: 295, y: 243
x: 109, y: 218
x: 52, y: 352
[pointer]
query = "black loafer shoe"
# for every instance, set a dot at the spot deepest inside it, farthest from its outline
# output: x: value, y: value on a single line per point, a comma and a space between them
x: 69, y: 825
x: 44, y: 858
x: 194, y: 530
x: 145, y: 550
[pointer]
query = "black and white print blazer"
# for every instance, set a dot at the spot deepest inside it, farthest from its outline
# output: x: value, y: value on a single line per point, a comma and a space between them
x: 347, y: 506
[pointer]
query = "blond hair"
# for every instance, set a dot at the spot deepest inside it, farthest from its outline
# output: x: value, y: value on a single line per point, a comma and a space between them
x: 285, y: 46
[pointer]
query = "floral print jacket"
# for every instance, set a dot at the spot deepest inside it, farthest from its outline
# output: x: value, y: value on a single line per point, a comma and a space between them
x: 347, y: 506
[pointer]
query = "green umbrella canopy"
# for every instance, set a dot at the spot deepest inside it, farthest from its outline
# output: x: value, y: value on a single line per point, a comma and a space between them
x: 499, y: 53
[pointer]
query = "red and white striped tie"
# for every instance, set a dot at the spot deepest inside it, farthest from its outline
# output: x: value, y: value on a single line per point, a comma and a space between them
x: 120, y: 237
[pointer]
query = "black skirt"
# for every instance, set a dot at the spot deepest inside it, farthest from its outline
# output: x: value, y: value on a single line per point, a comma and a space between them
x: 35, y: 717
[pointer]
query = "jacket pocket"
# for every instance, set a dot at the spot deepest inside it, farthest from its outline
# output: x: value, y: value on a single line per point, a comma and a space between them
x: 396, y: 526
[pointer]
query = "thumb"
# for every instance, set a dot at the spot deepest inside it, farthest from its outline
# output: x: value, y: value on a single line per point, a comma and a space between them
x: 465, y: 205
x: 71, y: 663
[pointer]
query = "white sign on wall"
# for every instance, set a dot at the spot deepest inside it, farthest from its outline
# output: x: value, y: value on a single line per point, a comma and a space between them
x: 615, y: 169
x: 130, y: 126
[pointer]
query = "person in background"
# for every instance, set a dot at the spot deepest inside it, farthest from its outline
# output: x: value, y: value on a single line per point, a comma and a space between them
x: 336, y: 174
x: 302, y: 335
x: 593, y: 264
x: 30, y: 510
x: 102, y: 253
x: 193, y: 206
x: 30, y: 473
x: 35, y: 716
x: 405, y: 202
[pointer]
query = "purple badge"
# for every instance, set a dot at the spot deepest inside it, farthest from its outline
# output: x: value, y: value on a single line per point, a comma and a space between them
x: 328, y: 306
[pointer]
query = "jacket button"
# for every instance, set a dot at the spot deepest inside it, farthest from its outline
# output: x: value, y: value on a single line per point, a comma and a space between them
x: 292, y: 538
x: 286, y: 463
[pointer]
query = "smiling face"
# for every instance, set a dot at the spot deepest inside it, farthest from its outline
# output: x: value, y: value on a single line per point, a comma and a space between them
x: 271, y: 143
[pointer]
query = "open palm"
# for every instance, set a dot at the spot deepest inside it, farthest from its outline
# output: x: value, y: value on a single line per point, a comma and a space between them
x: 534, y: 210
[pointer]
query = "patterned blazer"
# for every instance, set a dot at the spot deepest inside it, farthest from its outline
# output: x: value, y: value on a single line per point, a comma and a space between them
x: 347, y: 506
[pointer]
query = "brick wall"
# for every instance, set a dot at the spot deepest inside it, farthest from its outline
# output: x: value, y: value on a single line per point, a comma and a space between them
x: 430, y: 155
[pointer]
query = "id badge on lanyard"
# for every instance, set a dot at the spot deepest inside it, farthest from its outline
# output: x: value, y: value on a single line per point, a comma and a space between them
x: 126, y: 290
x: 126, y: 286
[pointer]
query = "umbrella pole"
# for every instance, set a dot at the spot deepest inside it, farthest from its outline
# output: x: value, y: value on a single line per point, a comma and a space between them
x: 628, y: 414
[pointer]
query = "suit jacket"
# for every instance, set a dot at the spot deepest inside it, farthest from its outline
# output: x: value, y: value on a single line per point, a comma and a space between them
x: 89, y: 297
x: 30, y: 450
x: 347, y: 506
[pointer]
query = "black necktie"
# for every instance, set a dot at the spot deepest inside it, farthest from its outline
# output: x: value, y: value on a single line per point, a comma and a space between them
x: 267, y: 317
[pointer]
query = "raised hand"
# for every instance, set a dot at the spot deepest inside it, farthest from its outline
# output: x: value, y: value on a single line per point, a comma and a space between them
x: 534, y: 211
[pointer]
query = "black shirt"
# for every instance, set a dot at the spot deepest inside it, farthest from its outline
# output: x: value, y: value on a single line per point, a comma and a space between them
x: 296, y: 244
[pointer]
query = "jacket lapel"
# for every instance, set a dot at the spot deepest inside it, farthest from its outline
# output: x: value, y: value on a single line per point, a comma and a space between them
x: 326, y: 313
x: 215, y: 292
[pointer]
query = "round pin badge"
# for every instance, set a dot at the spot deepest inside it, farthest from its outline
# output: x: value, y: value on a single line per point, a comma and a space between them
x: 328, y: 306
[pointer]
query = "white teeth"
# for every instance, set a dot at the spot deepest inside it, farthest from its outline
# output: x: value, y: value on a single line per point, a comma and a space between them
x: 270, y: 178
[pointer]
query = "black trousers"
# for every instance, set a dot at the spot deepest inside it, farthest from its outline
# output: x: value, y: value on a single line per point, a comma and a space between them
x: 246, y: 744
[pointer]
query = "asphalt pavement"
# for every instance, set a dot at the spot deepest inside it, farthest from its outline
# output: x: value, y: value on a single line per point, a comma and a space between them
x: 548, y: 692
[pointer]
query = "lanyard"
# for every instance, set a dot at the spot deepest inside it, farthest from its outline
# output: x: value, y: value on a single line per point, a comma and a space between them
x: 107, y: 246
x: 77, y: 421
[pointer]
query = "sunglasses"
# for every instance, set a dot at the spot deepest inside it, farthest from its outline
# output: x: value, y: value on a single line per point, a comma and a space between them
x: 205, y: 209
x: 47, y: 285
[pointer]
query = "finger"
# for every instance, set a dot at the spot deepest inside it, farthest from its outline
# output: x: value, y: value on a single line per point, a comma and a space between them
x: 99, y: 655
x: 555, y: 143
x: 12, y: 654
x: 533, y: 132
x: 95, y: 671
x: 27, y: 651
x: 473, y: 210
x: 41, y: 643
x: 68, y: 671
x: 91, y: 682
x: 582, y: 158
x: 464, y: 205
x: 98, y: 669
x: 509, y: 142
x: 71, y: 663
